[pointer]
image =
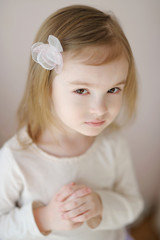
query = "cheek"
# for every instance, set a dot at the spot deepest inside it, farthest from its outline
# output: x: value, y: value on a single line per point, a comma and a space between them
x: 115, y: 104
x: 76, y: 106
x: 68, y: 106
x: 119, y: 104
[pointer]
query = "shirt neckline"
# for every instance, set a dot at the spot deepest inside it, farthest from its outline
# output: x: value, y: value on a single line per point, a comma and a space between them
x: 52, y: 157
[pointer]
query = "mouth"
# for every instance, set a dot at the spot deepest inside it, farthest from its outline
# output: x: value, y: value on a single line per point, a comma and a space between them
x: 95, y: 123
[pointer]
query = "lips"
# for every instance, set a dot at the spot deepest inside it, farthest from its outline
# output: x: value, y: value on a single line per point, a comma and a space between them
x: 95, y: 123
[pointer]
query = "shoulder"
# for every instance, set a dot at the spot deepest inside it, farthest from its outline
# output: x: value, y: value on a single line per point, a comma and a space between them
x: 116, y: 138
x: 12, y: 147
x: 11, y: 175
x: 9, y: 170
x: 6, y: 149
x: 116, y: 144
x: 13, y: 143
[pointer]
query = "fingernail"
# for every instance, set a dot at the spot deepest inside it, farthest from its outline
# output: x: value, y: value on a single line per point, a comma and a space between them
x: 60, y: 209
x: 88, y: 190
x: 63, y: 216
x: 59, y: 198
x: 72, y: 183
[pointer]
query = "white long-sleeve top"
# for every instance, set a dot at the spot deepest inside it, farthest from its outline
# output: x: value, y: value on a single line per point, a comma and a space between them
x: 29, y: 175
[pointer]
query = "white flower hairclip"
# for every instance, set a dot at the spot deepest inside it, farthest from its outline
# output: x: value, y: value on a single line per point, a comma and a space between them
x: 48, y: 55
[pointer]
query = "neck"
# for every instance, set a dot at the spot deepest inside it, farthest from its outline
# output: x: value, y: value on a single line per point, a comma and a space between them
x: 59, y: 135
x: 62, y: 144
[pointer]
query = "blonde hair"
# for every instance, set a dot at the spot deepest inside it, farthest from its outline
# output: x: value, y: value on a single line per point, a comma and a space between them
x: 77, y: 27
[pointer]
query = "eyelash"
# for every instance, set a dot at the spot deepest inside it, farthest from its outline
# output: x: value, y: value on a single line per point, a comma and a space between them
x: 118, y: 90
x: 81, y: 91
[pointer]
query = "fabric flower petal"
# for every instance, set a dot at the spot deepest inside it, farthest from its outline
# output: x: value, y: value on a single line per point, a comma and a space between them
x: 35, y: 49
x: 48, y: 55
x: 44, y: 61
x: 53, y: 41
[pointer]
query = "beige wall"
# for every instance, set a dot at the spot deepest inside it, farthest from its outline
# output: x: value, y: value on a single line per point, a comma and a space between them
x: 19, y: 21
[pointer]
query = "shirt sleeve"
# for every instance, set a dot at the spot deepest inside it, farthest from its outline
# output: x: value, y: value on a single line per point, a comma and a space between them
x: 123, y: 204
x: 15, y: 222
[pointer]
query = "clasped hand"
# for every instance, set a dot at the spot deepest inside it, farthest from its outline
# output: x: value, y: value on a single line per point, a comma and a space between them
x: 79, y: 203
x: 72, y: 206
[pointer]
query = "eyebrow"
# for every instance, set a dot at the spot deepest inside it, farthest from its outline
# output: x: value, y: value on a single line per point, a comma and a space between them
x: 91, y: 84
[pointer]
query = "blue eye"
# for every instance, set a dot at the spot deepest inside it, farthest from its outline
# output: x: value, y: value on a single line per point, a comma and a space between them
x: 114, y: 90
x: 81, y: 91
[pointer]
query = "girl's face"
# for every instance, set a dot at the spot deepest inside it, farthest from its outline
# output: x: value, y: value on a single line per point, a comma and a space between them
x: 87, y: 98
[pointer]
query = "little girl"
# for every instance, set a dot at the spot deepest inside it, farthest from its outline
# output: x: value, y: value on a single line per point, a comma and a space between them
x: 67, y: 173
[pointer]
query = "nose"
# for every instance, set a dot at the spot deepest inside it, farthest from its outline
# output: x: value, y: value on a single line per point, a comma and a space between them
x: 98, y: 106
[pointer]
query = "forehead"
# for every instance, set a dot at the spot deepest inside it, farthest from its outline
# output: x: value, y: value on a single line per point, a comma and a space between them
x: 77, y: 69
x: 97, y: 55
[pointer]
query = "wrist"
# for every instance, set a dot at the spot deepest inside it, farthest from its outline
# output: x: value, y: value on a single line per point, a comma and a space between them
x: 100, y: 212
x: 94, y: 222
x: 40, y: 213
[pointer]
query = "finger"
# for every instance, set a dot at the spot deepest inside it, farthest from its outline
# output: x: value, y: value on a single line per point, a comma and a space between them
x: 81, y: 192
x: 84, y: 192
x: 76, y: 225
x: 68, y: 206
x: 83, y: 217
x: 68, y: 188
x: 67, y: 191
x: 76, y: 212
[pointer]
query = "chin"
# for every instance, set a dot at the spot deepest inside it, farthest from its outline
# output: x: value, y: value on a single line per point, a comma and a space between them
x: 92, y: 133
